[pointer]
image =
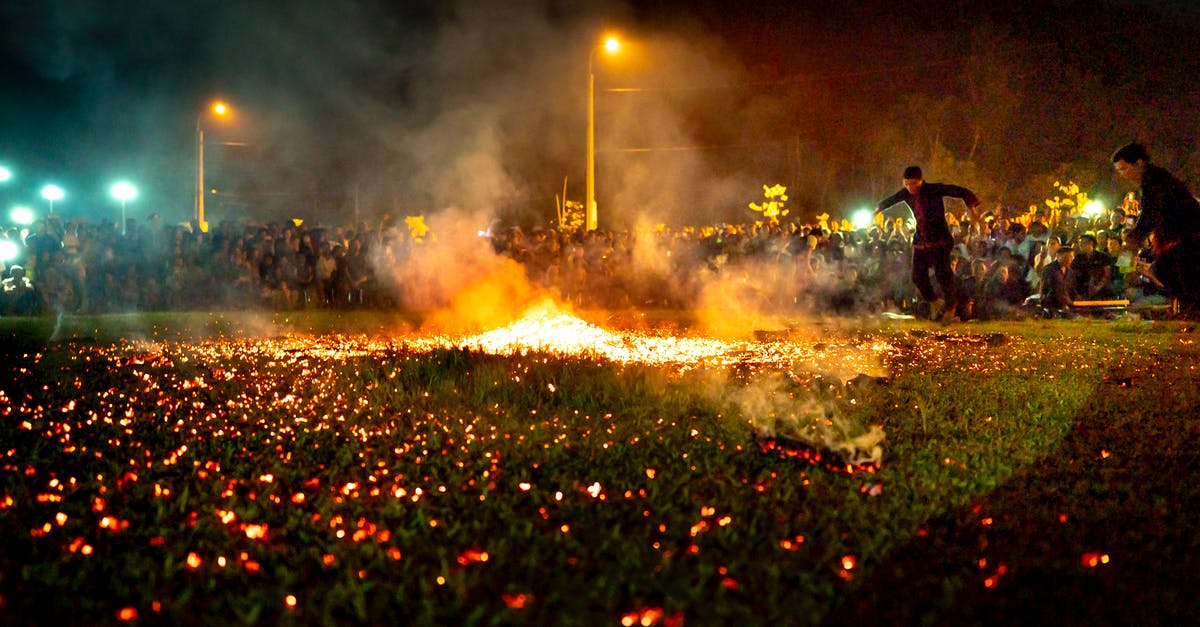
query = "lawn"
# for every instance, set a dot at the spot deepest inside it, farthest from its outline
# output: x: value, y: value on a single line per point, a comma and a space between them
x: 306, y: 468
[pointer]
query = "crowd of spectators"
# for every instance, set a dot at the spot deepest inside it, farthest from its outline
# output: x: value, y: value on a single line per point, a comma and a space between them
x: 999, y: 262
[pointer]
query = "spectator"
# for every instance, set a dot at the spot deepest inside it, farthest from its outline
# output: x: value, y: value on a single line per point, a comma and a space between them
x: 1091, y: 271
x: 1055, y: 296
x: 20, y: 297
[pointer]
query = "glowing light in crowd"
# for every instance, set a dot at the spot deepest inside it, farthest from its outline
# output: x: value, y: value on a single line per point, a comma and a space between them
x: 5, y: 174
x: 22, y: 215
x: 123, y: 191
x: 8, y: 250
x: 52, y: 193
x: 1093, y: 208
x: 862, y: 218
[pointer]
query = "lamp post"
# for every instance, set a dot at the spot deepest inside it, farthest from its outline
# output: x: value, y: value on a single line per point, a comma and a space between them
x: 610, y: 45
x: 52, y: 193
x: 219, y: 109
x: 123, y: 192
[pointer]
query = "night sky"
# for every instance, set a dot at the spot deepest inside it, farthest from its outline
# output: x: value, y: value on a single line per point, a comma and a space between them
x: 409, y: 108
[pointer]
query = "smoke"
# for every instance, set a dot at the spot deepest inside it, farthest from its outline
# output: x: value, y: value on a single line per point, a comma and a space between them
x: 454, y: 274
x: 776, y: 407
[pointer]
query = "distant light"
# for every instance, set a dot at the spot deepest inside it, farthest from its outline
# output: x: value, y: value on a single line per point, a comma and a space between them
x: 52, y: 193
x: 123, y: 191
x: 220, y: 108
x: 1093, y: 208
x: 8, y: 250
x: 612, y: 45
x: 5, y: 174
x: 862, y: 218
x: 22, y: 215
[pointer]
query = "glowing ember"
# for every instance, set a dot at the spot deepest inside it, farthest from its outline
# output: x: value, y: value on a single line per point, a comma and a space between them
x: 545, y: 328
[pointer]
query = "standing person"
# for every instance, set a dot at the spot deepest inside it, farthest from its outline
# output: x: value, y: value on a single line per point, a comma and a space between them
x: 932, y: 242
x: 1171, y: 214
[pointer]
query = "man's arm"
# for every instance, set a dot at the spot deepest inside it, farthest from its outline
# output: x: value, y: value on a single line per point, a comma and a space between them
x: 889, y: 201
x: 954, y: 191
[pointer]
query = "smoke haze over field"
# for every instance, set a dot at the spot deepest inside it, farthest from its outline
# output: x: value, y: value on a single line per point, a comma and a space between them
x: 365, y: 108
x: 480, y: 106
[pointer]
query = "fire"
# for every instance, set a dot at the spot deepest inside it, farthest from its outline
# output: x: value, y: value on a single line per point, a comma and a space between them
x: 545, y: 327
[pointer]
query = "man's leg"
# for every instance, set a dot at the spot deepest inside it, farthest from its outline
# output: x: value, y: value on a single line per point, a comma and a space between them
x: 1184, y: 285
x: 921, y: 262
x: 945, y: 277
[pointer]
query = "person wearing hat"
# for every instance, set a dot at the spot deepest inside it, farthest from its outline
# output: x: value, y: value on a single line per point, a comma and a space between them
x: 1055, y: 292
x: 1171, y: 214
x: 932, y: 241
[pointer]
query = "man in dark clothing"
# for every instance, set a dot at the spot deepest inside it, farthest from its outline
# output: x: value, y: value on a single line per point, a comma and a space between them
x: 1056, y: 296
x: 932, y: 242
x: 1092, y: 271
x: 1171, y: 214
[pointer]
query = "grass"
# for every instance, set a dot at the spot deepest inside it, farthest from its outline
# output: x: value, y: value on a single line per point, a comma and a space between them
x: 1038, y: 470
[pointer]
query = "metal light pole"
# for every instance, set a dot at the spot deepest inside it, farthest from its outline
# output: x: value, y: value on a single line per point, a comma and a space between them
x: 610, y: 45
x: 220, y: 109
x: 123, y: 192
x: 200, y: 223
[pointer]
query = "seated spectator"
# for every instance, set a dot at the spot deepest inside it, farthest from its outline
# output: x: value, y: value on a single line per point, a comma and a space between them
x: 20, y: 297
x: 1092, y: 271
x: 971, y: 292
x: 1122, y: 264
x: 1056, y: 294
x: 1002, y: 294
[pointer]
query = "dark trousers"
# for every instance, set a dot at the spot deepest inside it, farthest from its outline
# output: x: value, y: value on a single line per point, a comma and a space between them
x: 937, y: 258
x: 1178, y: 268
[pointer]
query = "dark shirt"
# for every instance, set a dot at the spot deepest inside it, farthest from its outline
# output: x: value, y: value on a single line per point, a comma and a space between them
x: 1056, y: 291
x: 1168, y: 210
x: 1091, y: 275
x: 929, y: 209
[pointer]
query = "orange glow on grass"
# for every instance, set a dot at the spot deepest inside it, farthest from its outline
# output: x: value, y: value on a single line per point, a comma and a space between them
x: 515, y: 601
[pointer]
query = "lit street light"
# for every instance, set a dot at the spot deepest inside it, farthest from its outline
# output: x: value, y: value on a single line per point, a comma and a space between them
x: 52, y: 193
x: 22, y: 215
x: 8, y: 250
x: 611, y: 45
x: 862, y: 219
x: 123, y: 192
x: 219, y: 109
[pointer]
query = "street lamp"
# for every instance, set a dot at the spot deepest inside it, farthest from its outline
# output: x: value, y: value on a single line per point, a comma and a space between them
x: 219, y: 109
x: 611, y: 45
x: 22, y: 215
x: 123, y: 192
x: 52, y: 193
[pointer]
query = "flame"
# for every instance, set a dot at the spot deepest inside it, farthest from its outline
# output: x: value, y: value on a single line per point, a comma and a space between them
x: 546, y: 328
